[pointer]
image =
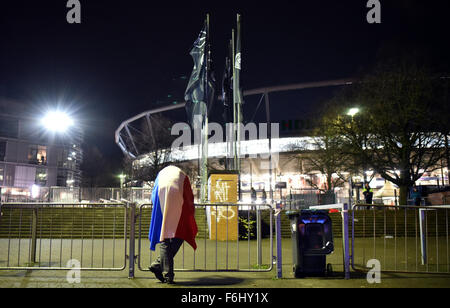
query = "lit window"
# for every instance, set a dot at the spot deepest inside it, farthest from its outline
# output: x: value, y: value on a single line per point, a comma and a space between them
x: 37, y: 155
x: 41, y: 177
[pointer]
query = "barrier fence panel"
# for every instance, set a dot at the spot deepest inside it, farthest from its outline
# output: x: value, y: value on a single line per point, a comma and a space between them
x: 340, y: 258
x: 402, y: 238
x: 231, y: 237
x: 57, y: 236
x: 298, y: 199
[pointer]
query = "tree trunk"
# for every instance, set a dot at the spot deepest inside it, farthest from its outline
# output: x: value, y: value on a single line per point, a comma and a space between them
x: 329, y: 182
x: 403, y: 197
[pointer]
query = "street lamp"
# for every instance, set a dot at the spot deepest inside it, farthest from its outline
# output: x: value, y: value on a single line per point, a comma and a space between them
x: 57, y: 121
x: 352, y: 111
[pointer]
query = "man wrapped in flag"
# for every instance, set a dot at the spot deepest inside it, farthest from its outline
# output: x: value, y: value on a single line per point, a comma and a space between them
x: 173, y: 220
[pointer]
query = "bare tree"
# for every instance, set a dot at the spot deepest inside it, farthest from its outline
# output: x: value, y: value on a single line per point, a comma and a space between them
x: 325, y: 153
x: 395, y: 132
x: 154, y: 139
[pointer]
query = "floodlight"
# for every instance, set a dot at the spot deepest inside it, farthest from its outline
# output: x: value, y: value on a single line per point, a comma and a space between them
x: 57, y: 121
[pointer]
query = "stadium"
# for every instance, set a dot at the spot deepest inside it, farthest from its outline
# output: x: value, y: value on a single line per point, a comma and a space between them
x: 293, y: 136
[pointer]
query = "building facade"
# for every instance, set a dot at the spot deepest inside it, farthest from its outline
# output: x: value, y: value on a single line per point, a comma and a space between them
x: 33, y: 159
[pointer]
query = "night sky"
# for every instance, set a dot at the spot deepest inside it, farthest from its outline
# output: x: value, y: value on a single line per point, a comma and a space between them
x: 126, y: 56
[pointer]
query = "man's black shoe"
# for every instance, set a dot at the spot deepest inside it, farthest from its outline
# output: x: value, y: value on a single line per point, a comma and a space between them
x: 158, y: 274
x: 170, y: 281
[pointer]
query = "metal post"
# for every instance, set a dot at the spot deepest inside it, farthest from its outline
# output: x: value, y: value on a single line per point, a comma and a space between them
x: 237, y: 97
x: 33, y: 235
x: 258, y: 235
x: 1, y: 214
x: 278, y: 235
x: 233, y: 59
x: 204, y: 131
x: 132, y: 240
x: 269, y: 132
x: 350, y: 192
x: 121, y: 189
x: 204, y: 162
x: 423, y: 236
x: 251, y: 173
x: 345, y: 241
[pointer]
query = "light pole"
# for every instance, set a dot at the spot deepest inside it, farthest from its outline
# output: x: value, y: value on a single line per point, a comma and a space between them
x: 56, y: 122
x: 122, y: 178
x: 352, y: 112
x: 60, y: 125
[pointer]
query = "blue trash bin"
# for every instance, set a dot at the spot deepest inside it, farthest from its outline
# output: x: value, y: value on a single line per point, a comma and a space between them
x: 312, y: 241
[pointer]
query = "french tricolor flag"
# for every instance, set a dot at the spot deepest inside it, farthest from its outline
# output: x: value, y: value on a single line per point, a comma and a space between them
x: 173, y: 208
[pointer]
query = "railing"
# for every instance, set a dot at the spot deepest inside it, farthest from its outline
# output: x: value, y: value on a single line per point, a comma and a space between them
x: 302, y: 199
x: 410, y: 239
x: 247, y: 252
x: 46, y: 236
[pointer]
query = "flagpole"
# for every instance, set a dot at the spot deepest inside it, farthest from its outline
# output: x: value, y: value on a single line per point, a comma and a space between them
x: 226, y: 96
x: 238, y: 89
x: 197, y: 101
x: 204, y: 138
x: 233, y: 59
x: 237, y: 99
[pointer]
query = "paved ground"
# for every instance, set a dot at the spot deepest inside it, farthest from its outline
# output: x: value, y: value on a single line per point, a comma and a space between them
x: 57, y: 279
x: 100, y: 253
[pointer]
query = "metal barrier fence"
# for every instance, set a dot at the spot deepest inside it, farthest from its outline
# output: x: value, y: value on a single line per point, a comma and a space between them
x: 97, y: 194
x: 250, y: 252
x: 46, y: 236
x: 298, y: 199
x: 410, y: 239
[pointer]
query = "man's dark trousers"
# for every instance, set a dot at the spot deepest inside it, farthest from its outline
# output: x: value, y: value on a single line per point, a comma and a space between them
x: 167, y: 251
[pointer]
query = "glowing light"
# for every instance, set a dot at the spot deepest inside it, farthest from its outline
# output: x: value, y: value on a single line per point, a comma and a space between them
x: 34, y: 191
x: 57, y: 121
x: 353, y: 111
